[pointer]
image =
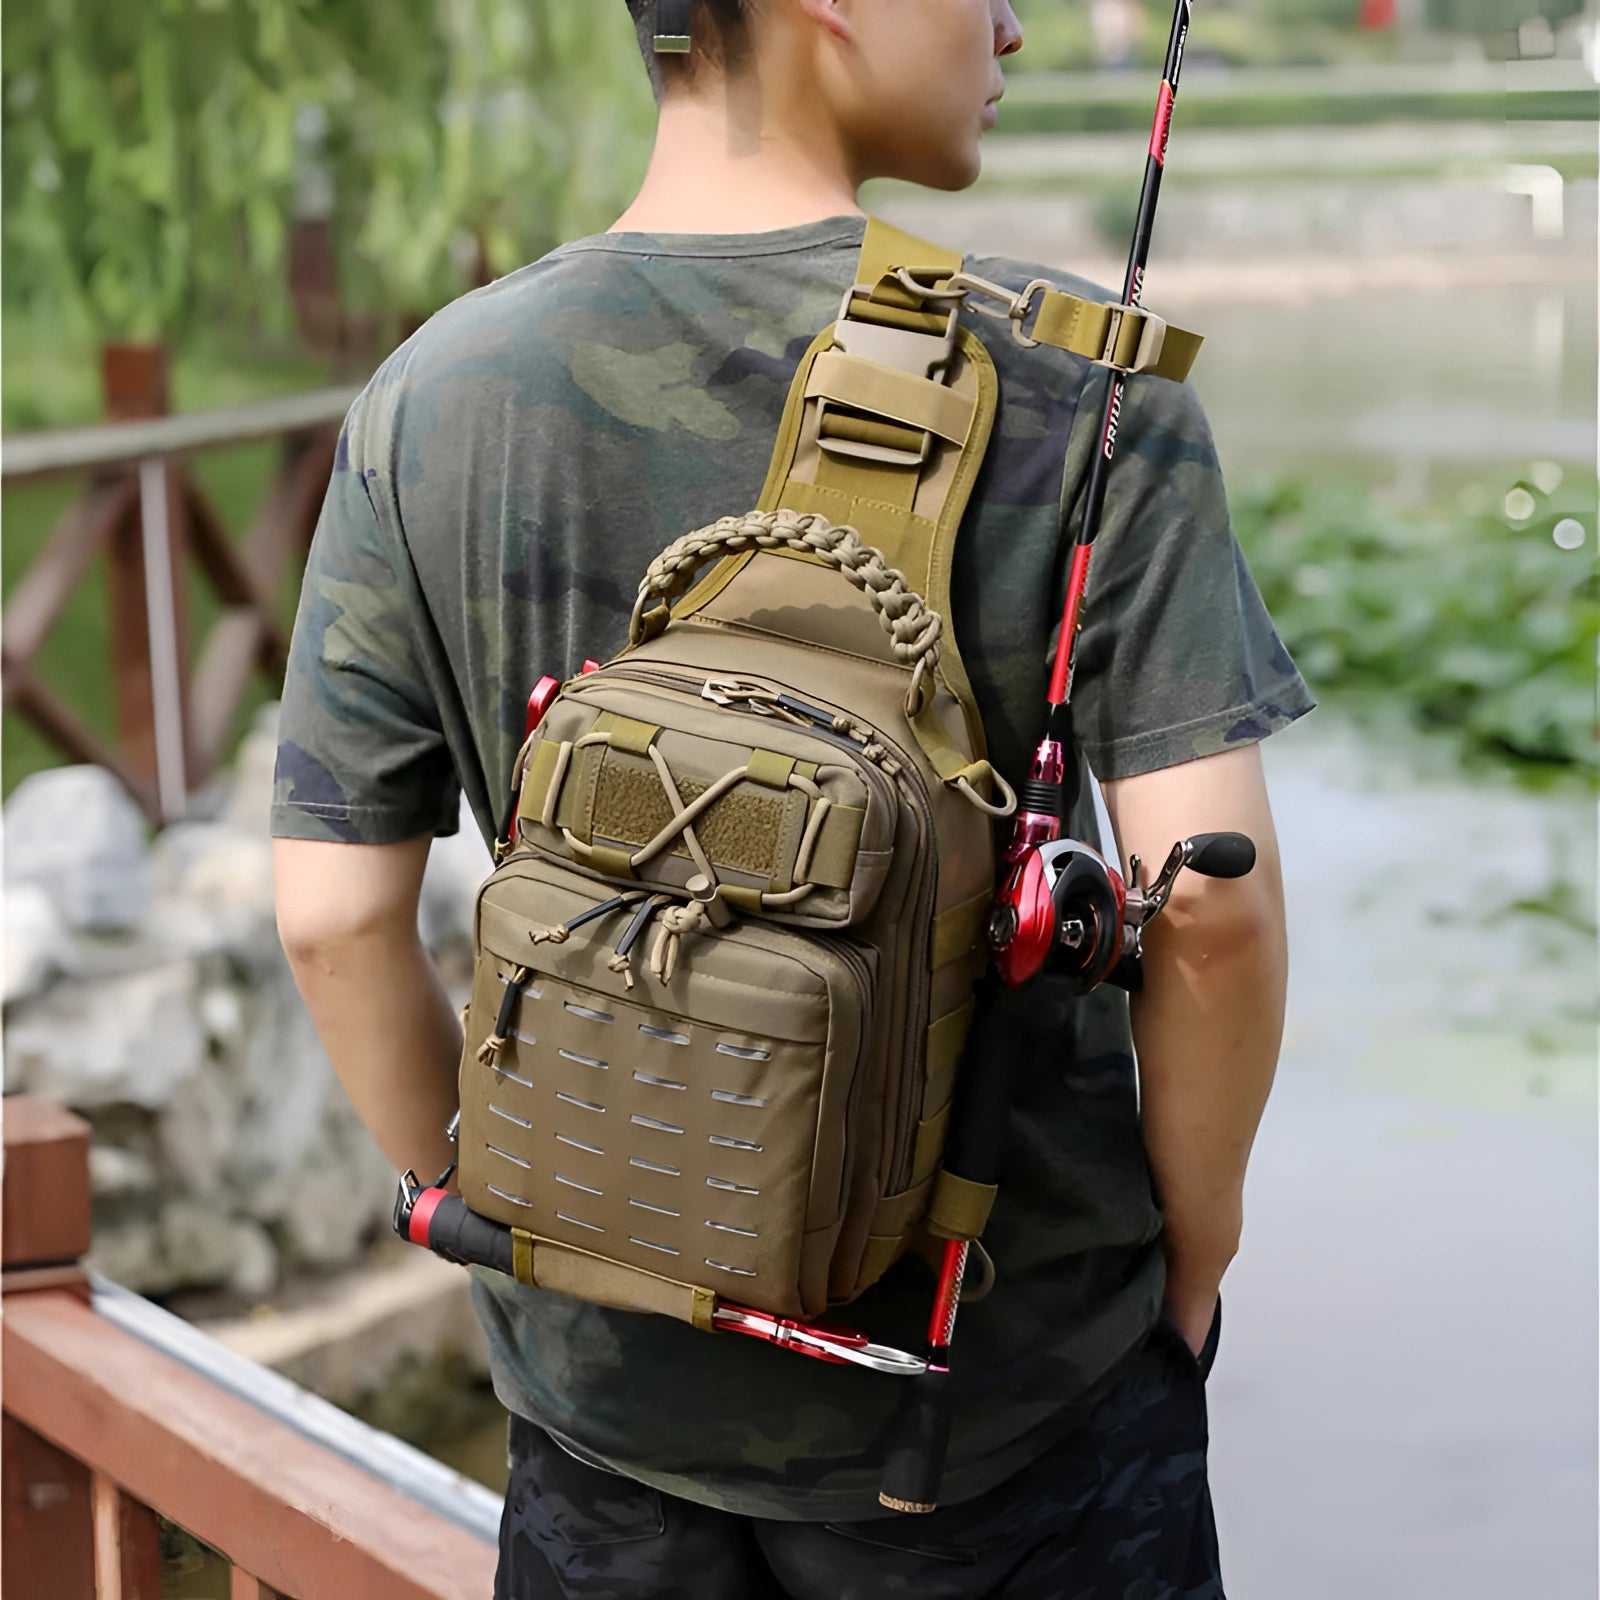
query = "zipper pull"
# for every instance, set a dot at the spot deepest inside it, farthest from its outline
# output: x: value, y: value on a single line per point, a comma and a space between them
x: 621, y: 958
x: 594, y: 913
x: 489, y: 1050
x: 562, y: 931
x: 818, y: 718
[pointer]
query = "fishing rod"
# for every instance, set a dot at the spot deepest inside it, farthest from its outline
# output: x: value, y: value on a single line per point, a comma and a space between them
x: 1061, y: 907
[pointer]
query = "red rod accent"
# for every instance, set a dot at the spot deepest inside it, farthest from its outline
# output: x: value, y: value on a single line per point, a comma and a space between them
x: 1163, y: 125
x: 1077, y: 581
x: 942, y: 1324
x: 422, y: 1215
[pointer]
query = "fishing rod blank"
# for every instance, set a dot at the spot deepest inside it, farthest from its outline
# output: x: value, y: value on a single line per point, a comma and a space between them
x: 915, y: 1462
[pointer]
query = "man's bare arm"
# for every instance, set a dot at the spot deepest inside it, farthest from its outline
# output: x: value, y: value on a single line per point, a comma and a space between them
x: 1209, y: 1021
x: 347, y: 916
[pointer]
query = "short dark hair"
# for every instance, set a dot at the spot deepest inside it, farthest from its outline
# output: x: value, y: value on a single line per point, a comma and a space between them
x: 720, y: 36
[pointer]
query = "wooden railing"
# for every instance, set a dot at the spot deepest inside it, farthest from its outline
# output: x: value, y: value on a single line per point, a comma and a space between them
x: 113, y: 1419
x: 144, y: 511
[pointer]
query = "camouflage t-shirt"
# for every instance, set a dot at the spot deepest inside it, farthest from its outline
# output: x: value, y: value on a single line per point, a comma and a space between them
x: 500, y: 487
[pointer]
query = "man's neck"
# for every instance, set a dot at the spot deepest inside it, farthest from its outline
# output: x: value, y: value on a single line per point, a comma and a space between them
x: 729, y: 163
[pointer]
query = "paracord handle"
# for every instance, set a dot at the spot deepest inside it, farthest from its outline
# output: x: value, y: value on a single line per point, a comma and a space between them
x: 913, y: 629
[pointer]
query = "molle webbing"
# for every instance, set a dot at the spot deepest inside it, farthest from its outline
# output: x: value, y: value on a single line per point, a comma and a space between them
x: 544, y: 1264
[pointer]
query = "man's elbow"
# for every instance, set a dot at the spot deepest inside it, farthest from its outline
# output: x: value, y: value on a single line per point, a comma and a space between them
x: 1228, y: 920
x: 310, y: 933
x: 328, y: 900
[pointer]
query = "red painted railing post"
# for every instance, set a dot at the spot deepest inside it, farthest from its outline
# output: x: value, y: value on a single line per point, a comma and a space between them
x: 46, y: 1516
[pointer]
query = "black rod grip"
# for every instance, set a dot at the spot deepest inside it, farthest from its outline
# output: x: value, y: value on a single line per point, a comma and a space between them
x: 979, y: 1122
x: 1222, y: 855
x: 914, y: 1464
x: 459, y: 1233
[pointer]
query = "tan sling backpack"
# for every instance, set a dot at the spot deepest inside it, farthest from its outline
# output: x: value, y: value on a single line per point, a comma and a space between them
x: 725, y: 964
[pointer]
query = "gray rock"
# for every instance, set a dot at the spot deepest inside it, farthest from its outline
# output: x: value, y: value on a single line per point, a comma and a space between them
x: 248, y: 805
x: 185, y: 1245
x: 212, y: 886
x: 197, y: 1135
x: 255, y: 1260
x: 133, y: 1038
x: 78, y: 835
x: 286, y: 1080
x: 115, y: 1172
x: 38, y: 945
x: 340, y: 1198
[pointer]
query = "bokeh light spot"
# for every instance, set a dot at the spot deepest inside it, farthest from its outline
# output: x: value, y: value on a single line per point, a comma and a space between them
x: 1520, y: 504
x: 1546, y: 475
x: 1568, y: 533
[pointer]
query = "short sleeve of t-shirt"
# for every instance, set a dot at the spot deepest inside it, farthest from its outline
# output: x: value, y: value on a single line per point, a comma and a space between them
x: 362, y: 758
x: 1177, y: 657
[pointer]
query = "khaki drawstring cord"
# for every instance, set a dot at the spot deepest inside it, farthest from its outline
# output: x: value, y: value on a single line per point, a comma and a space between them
x: 489, y: 1050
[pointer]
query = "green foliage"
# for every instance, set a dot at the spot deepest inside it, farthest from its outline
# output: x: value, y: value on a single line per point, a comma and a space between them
x: 148, y: 155
x: 489, y: 131
x: 155, y: 154
x: 1473, y: 624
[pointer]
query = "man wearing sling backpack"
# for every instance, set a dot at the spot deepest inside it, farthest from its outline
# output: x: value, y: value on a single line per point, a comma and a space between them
x: 500, y: 487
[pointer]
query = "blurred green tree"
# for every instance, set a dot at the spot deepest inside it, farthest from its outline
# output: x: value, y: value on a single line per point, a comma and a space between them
x: 475, y: 136
x: 155, y: 155
x: 148, y: 156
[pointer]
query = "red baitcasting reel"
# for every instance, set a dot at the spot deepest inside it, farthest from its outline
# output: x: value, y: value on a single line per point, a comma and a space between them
x: 1065, y: 910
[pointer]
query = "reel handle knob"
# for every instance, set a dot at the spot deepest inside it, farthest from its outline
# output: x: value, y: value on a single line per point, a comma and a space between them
x: 1222, y: 855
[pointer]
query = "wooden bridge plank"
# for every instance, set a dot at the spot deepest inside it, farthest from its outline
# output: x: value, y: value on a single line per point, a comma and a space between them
x: 228, y: 661
x: 308, y: 1523
x: 58, y: 722
x: 244, y: 1587
x: 225, y: 565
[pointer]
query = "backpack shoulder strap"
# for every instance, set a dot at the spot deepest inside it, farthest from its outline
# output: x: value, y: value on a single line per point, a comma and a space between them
x: 887, y: 423
x: 891, y: 410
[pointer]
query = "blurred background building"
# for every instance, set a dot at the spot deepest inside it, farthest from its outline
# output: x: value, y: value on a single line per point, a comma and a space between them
x: 220, y: 214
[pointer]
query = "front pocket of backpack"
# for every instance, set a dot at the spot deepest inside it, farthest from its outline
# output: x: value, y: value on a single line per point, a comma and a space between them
x: 696, y: 1127
x: 796, y: 823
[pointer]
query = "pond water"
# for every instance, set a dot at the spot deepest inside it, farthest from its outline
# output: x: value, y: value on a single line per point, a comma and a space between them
x: 1423, y: 391
x: 1413, y: 359
x: 1405, y: 1403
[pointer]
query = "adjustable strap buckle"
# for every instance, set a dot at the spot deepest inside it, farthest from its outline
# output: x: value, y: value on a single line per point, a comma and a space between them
x: 969, y: 289
x: 1152, y: 335
x: 922, y: 355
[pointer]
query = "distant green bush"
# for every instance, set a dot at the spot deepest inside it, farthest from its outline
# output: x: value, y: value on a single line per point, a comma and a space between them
x: 1468, y: 623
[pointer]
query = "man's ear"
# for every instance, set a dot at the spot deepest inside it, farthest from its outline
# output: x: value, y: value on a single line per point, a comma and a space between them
x: 834, y: 15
